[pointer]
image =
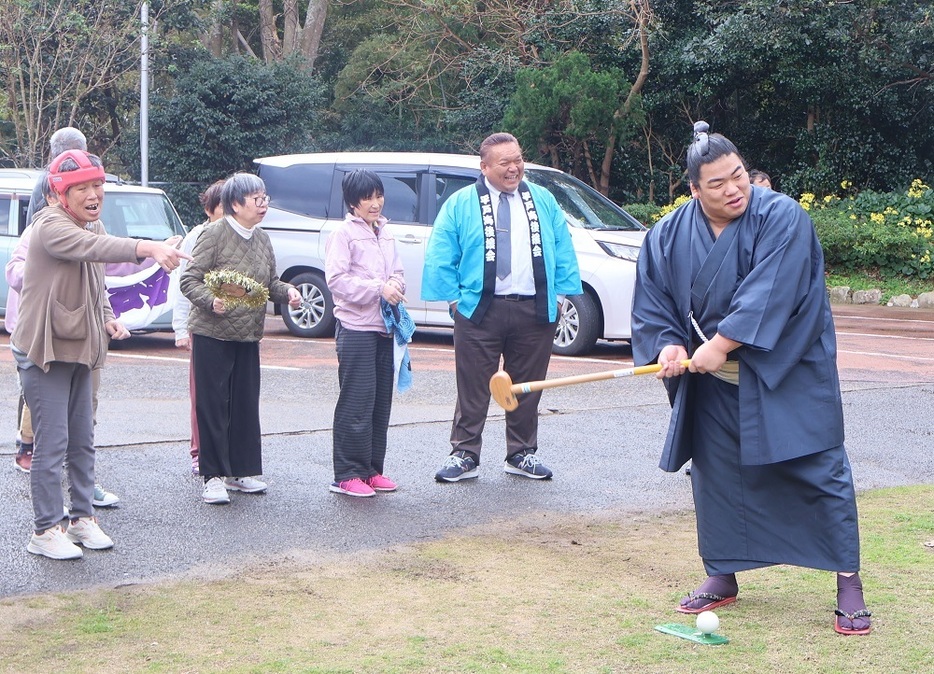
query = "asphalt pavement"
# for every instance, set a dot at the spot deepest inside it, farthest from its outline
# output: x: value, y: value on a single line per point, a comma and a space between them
x: 602, y: 440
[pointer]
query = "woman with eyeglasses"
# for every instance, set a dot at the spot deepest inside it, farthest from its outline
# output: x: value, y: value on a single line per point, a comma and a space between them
x: 225, y: 328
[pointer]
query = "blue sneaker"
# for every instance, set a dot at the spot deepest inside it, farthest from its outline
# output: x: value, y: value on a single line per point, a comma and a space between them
x: 527, y: 464
x: 458, y: 466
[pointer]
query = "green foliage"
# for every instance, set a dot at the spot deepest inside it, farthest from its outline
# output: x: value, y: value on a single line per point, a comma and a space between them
x: 890, y: 233
x: 381, y: 100
x: 64, y: 63
x: 810, y: 91
x: 223, y: 113
x: 489, y: 81
x: 563, y: 113
x: 645, y: 213
x: 564, y: 102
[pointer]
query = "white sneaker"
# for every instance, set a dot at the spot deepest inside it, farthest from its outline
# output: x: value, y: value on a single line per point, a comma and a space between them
x: 214, y: 492
x: 54, y: 544
x: 86, y: 532
x: 250, y: 485
x: 103, y: 498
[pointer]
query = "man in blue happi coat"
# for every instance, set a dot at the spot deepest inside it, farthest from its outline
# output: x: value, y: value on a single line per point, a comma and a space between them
x: 734, y: 279
x: 501, y: 256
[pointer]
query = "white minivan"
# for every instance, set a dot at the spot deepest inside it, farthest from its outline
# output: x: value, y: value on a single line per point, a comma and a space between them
x: 306, y: 206
x: 138, y: 292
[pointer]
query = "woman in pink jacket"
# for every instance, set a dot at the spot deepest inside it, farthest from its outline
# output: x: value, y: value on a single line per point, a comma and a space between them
x: 362, y: 267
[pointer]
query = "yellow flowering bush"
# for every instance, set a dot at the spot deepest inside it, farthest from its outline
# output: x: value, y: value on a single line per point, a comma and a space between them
x: 918, y: 189
x: 888, y: 232
x: 665, y: 210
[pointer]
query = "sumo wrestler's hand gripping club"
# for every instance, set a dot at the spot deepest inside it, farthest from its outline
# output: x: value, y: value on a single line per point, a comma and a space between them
x: 505, y: 393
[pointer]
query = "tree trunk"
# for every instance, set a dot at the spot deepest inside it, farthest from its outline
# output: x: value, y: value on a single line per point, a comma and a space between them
x: 651, y: 163
x: 555, y: 159
x: 643, y: 15
x: 213, y: 36
x: 314, y: 27
x: 291, y: 31
x: 269, y: 37
x: 588, y: 161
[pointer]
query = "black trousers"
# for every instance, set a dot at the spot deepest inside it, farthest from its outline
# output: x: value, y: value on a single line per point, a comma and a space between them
x: 227, y: 379
x: 508, y: 330
x: 361, y: 416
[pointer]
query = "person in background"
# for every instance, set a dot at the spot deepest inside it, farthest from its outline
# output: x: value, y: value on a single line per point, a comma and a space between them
x: 60, y: 338
x: 211, y: 203
x: 362, y: 268
x: 500, y: 254
x: 65, y: 138
x: 760, y: 179
x: 758, y: 411
x: 225, y: 337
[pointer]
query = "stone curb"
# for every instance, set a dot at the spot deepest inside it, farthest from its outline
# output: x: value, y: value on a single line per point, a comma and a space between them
x: 843, y: 295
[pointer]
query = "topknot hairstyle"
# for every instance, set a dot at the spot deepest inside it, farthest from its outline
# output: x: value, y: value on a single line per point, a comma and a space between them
x: 706, y: 148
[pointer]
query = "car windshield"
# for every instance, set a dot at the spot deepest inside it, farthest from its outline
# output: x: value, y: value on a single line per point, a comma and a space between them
x: 140, y: 215
x: 584, y: 206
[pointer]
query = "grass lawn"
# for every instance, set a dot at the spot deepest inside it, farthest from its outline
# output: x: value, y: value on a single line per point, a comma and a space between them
x: 578, y: 595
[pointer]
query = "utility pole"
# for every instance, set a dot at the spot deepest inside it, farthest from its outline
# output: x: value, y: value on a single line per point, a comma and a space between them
x: 144, y: 96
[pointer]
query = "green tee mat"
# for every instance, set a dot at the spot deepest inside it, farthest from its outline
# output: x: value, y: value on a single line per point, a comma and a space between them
x: 692, y: 634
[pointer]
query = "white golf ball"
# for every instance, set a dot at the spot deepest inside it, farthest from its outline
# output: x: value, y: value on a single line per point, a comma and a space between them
x: 707, y: 622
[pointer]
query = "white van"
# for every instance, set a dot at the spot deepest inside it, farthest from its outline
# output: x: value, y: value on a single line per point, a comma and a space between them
x: 138, y: 293
x: 306, y: 205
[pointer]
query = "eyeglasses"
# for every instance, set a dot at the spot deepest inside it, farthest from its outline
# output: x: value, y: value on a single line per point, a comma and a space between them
x: 261, y: 201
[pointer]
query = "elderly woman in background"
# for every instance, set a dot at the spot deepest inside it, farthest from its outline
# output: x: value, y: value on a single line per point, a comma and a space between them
x: 61, y: 338
x: 225, y: 333
x: 213, y: 209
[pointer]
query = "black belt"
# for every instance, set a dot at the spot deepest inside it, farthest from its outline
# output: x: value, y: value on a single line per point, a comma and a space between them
x: 515, y: 298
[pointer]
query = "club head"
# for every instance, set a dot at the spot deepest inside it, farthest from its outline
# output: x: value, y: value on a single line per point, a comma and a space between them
x: 501, y: 390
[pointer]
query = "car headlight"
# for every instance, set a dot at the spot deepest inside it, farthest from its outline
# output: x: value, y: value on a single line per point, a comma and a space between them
x: 620, y: 250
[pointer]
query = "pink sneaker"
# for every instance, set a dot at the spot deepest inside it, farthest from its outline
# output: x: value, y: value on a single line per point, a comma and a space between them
x: 353, y: 487
x: 381, y: 483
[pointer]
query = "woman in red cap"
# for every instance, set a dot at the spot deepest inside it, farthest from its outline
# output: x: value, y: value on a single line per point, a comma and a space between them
x: 61, y: 337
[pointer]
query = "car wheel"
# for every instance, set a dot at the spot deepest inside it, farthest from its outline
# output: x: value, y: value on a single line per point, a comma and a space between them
x: 578, y: 326
x: 315, y: 315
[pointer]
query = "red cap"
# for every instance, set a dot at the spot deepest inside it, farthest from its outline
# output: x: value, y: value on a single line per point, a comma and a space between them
x: 61, y: 181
